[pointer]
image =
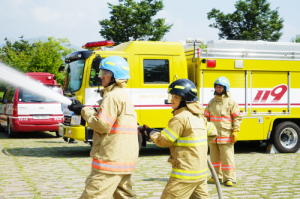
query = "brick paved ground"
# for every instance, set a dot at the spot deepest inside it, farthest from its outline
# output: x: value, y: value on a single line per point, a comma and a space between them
x: 39, y: 165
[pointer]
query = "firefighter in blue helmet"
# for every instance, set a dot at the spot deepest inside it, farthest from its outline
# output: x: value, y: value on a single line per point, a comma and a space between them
x: 225, y: 114
x: 115, y: 140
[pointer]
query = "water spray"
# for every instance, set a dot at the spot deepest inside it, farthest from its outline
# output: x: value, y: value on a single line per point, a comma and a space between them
x: 16, y: 78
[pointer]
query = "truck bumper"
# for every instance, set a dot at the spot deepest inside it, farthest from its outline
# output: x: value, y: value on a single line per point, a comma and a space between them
x: 74, y: 132
x: 17, y: 127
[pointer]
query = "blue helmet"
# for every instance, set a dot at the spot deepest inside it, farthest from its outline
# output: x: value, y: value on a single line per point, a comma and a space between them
x: 223, y: 81
x: 117, y: 65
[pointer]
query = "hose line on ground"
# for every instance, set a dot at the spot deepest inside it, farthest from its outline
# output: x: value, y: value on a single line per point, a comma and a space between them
x: 216, y: 179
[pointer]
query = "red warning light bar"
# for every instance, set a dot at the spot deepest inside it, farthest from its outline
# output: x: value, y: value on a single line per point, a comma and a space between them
x: 98, y: 44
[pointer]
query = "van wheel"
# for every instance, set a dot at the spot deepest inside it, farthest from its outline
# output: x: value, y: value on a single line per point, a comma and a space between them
x: 286, y: 137
x: 10, y: 132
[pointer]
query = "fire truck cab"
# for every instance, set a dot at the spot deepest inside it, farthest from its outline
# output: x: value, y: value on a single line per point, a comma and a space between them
x: 263, y: 80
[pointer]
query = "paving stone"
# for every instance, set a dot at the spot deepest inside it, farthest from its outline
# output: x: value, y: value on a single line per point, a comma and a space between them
x: 66, y: 167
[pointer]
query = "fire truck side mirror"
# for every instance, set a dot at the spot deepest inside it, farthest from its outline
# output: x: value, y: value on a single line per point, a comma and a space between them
x: 61, y: 68
x: 96, y: 63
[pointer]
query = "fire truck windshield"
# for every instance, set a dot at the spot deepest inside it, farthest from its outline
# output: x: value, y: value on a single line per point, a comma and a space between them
x: 74, y: 75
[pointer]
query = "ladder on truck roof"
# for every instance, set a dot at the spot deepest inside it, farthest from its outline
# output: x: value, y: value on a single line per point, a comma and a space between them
x: 247, y: 50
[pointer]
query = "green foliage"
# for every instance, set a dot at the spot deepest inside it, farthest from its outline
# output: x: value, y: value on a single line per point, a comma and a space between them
x: 133, y: 21
x: 37, y: 57
x: 296, y: 39
x: 203, y: 46
x: 252, y: 20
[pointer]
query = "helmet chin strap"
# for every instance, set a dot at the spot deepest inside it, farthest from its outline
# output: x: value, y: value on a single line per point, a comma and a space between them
x: 112, y: 80
x: 223, y: 92
x: 181, y: 104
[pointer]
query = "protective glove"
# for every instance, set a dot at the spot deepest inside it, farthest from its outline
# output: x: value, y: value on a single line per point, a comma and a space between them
x: 234, y: 135
x: 76, y: 106
x: 145, y: 131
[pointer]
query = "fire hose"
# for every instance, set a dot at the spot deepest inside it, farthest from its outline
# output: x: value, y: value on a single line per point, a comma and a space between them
x: 216, y: 179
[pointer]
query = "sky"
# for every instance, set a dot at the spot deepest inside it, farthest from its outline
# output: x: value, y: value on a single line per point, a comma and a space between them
x: 78, y: 20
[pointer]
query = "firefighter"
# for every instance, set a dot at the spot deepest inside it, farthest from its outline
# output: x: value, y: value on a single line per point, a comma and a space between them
x: 115, y: 142
x: 224, y: 112
x: 186, y: 135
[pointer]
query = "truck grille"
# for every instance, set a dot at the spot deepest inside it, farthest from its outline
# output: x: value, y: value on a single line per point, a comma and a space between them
x: 67, y: 120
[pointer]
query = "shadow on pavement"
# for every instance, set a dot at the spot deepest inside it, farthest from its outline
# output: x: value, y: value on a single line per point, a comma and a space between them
x: 52, y: 152
x: 29, y: 135
x: 239, y: 148
x: 157, y: 179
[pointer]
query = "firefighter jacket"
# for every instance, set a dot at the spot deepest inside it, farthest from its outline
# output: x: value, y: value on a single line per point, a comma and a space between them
x: 225, y: 114
x: 186, y: 135
x: 115, y: 141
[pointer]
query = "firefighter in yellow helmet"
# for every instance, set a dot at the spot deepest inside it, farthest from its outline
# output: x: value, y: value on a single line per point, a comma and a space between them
x: 186, y: 135
x: 115, y: 141
x: 224, y: 112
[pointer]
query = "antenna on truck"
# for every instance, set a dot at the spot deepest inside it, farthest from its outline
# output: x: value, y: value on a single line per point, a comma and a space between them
x: 194, y: 42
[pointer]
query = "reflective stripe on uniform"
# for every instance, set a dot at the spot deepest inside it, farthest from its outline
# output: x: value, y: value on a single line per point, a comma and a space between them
x: 228, y: 167
x: 125, y: 129
x: 171, y: 135
x: 106, y: 117
x: 235, y: 114
x: 222, y: 139
x: 216, y: 164
x: 190, y: 175
x: 206, y: 113
x: 113, y: 166
x: 221, y: 118
x: 209, y: 127
x: 190, y: 141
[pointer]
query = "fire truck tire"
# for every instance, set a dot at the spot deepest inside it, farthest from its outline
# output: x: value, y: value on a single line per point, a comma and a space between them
x: 140, y: 139
x: 57, y: 134
x: 287, y: 137
x: 10, y: 132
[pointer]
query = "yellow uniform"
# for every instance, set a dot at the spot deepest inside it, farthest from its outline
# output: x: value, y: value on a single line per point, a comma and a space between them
x: 186, y: 135
x: 224, y: 113
x: 115, y: 145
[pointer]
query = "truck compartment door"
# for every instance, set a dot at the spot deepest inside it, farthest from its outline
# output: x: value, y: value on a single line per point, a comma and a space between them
x: 269, y: 93
x: 156, y: 73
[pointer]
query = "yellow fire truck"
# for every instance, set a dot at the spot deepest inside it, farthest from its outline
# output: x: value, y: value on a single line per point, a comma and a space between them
x: 264, y: 80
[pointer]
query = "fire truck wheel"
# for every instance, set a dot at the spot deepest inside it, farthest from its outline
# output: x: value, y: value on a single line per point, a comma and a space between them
x: 140, y: 139
x: 10, y: 132
x: 287, y: 137
x: 57, y: 134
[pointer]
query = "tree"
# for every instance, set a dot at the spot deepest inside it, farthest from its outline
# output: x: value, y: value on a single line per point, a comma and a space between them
x: 133, y: 21
x: 36, y: 57
x: 252, y: 20
x: 296, y: 39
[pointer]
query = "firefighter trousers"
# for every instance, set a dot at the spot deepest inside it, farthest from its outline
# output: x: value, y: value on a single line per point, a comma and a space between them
x: 222, y: 158
x: 176, y: 189
x: 104, y: 186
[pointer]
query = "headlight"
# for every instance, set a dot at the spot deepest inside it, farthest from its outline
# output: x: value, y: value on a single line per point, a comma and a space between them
x: 75, y: 120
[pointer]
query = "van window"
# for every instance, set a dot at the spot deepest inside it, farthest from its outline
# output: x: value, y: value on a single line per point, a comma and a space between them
x: 28, y: 96
x: 10, y: 93
x: 156, y: 71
